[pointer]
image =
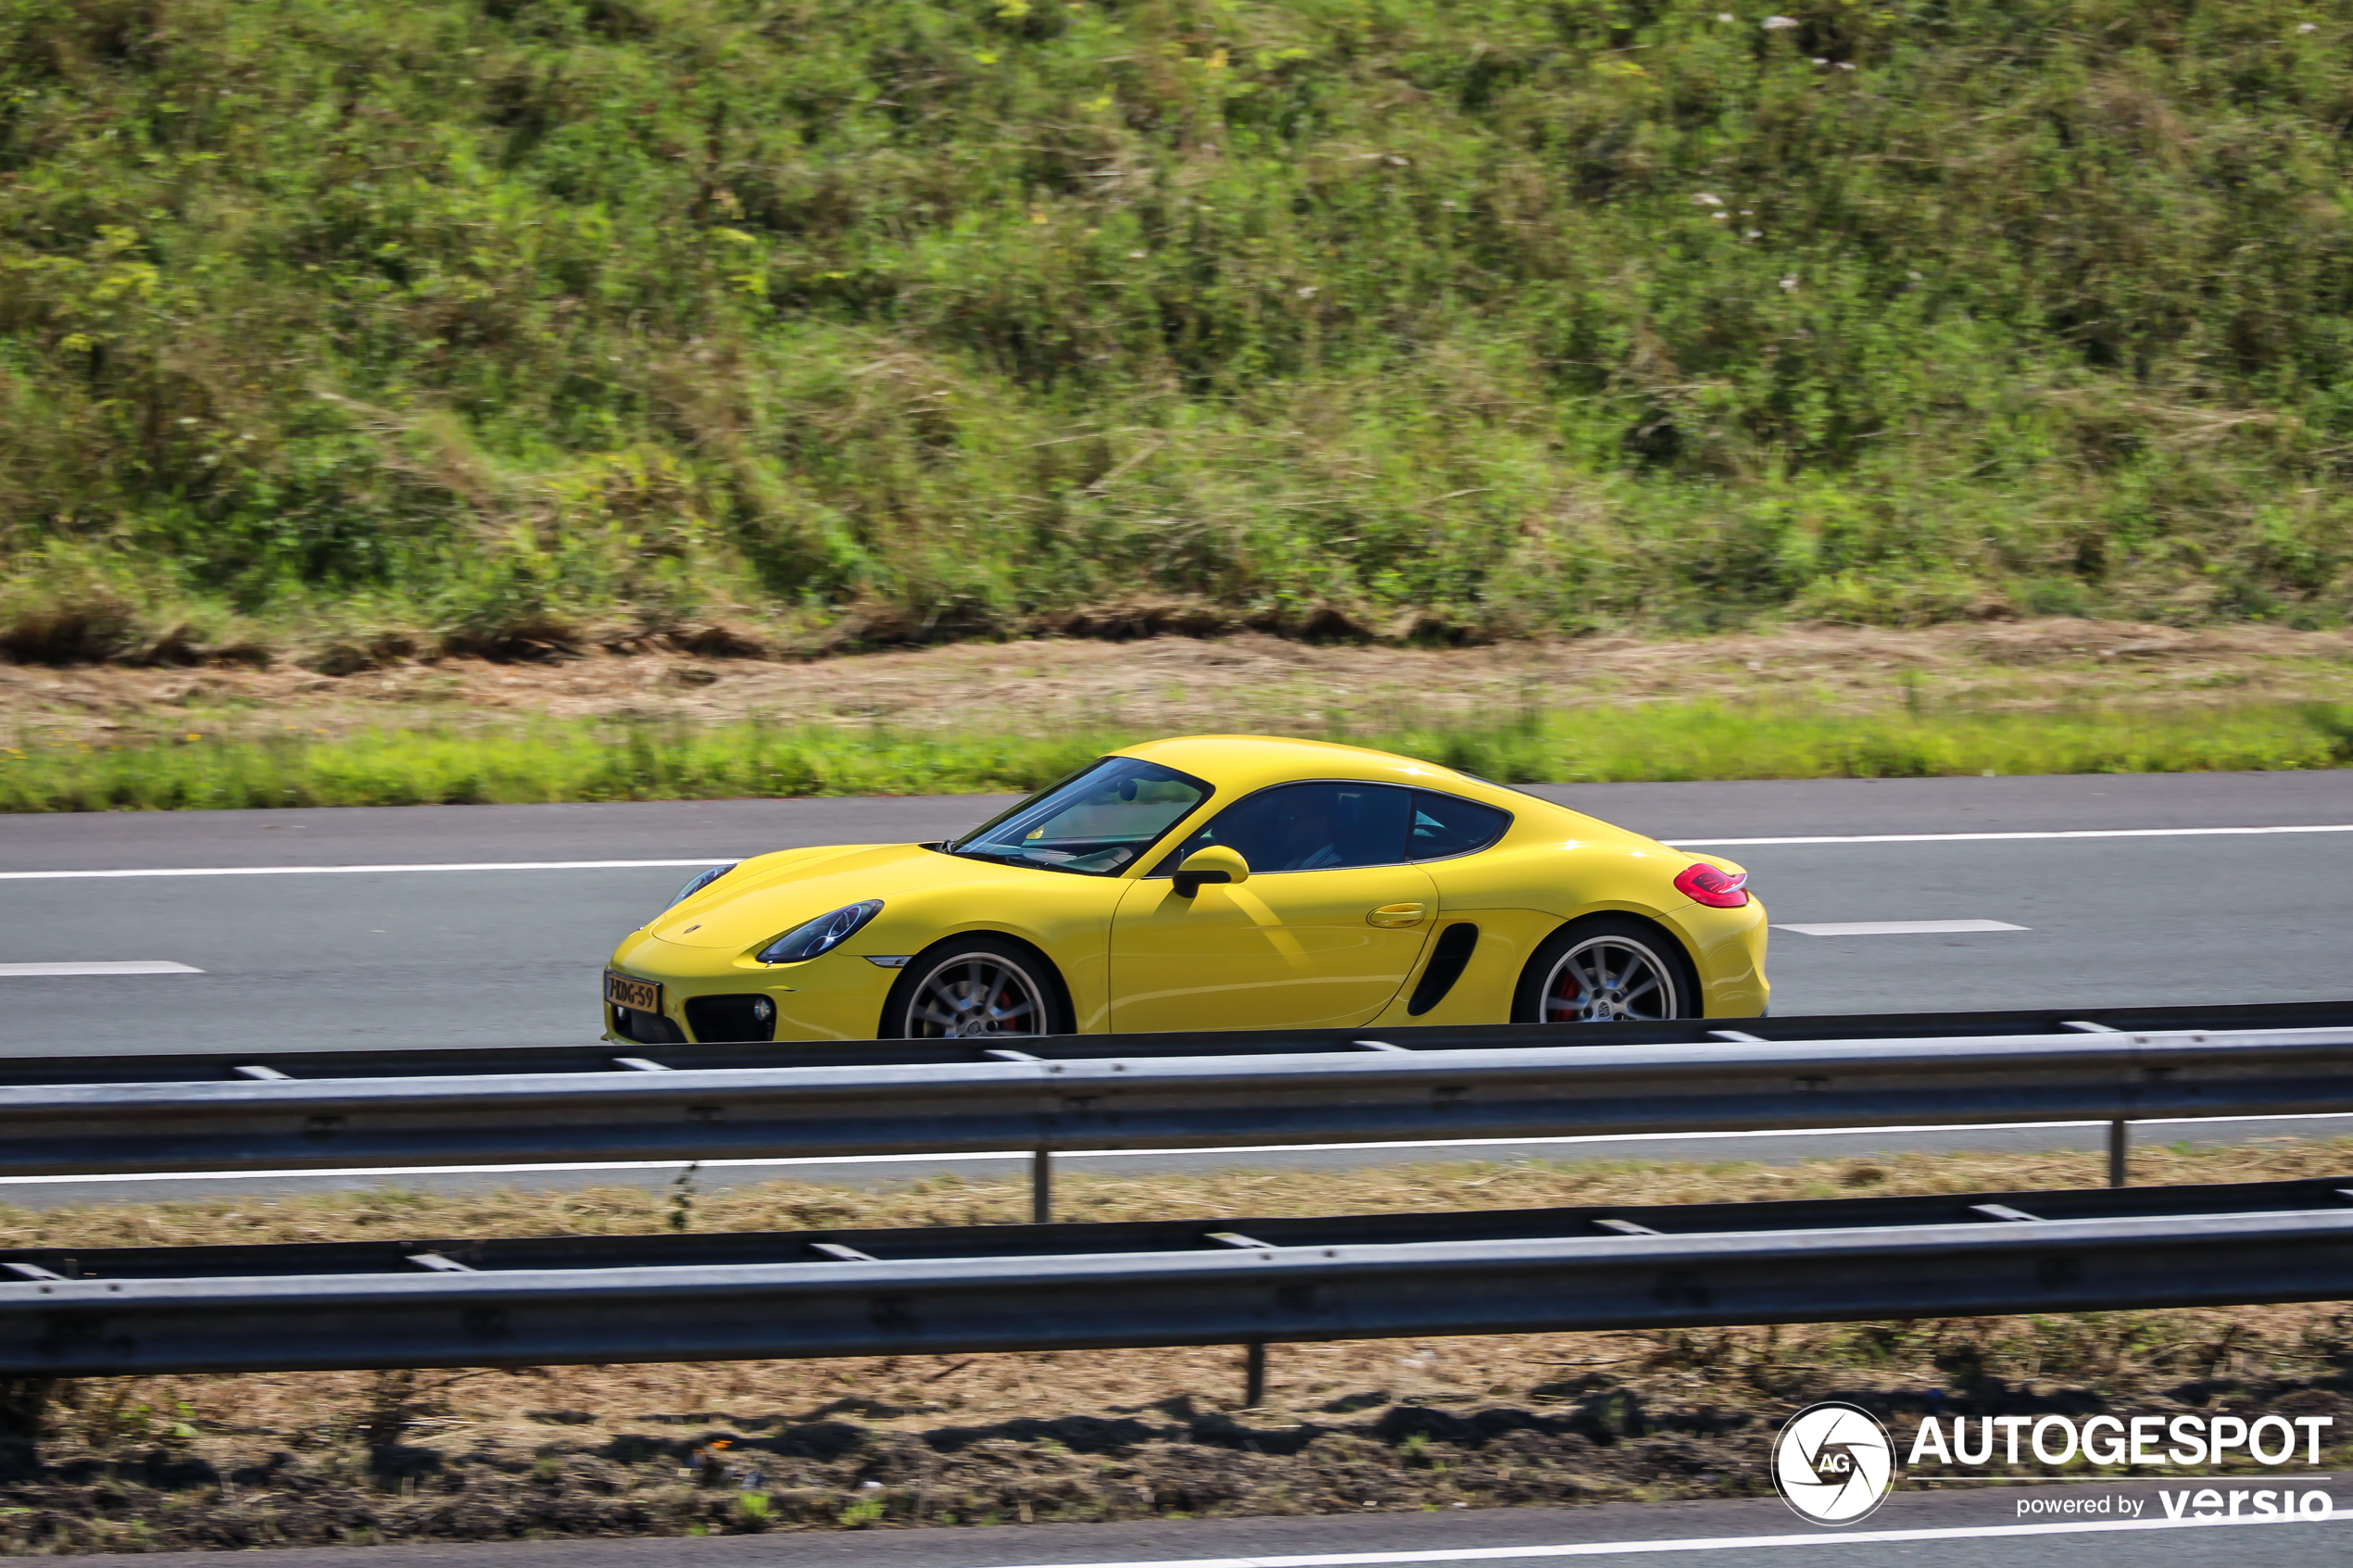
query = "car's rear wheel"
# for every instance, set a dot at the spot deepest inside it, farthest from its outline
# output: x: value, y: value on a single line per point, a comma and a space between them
x: 1607, y: 970
x: 971, y: 987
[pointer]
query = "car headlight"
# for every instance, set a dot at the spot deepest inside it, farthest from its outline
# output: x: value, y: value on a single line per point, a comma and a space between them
x: 702, y: 879
x: 822, y: 935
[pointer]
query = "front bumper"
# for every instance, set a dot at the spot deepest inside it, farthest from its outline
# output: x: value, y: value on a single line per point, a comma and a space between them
x: 837, y: 996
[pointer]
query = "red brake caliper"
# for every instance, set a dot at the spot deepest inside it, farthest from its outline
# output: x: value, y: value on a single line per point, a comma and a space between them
x: 1570, y: 992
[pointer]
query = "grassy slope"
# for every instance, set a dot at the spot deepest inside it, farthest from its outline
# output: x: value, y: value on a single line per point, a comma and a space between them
x: 627, y: 759
x: 502, y: 322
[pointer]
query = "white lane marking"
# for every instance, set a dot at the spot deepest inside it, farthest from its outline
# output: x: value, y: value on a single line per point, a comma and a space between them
x: 348, y: 871
x: 1983, y: 837
x: 104, y: 966
x: 1023, y: 1157
x: 712, y: 859
x: 1897, y: 927
x: 1701, y: 1543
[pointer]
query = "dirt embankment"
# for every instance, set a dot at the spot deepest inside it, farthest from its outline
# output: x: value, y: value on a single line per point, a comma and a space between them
x: 1643, y: 1432
x: 234, y: 1461
x: 1180, y: 685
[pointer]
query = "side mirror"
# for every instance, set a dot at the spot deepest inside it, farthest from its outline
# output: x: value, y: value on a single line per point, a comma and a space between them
x: 1216, y: 863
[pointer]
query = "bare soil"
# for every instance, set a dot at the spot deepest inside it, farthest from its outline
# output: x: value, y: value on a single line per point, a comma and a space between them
x: 231, y: 1461
x: 1175, y: 684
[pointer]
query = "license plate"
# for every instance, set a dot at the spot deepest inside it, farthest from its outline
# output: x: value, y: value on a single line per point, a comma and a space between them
x: 624, y: 992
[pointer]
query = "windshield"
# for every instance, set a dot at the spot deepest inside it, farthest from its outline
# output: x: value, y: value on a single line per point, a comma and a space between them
x: 1096, y: 821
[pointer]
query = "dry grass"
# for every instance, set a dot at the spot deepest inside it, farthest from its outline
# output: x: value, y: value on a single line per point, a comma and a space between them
x: 953, y: 1200
x: 1179, y: 685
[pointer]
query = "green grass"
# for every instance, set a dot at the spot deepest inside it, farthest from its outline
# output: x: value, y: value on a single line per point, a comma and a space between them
x: 548, y: 761
x: 587, y: 760
x: 347, y: 326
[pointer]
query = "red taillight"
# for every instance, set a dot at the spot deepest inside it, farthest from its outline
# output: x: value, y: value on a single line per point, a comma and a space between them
x: 1716, y: 889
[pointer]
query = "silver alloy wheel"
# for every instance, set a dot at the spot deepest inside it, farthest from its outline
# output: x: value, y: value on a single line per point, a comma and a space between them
x: 971, y: 995
x: 1609, y: 979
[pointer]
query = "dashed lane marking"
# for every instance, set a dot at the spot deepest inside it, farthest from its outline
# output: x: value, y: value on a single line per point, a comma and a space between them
x: 1897, y: 927
x: 99, y: 966
x: 1992, y: 837
x: 353, y: 870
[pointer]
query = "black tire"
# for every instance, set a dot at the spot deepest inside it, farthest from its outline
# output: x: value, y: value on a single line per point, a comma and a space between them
x: 1615, y: 947
x: 940, y: 992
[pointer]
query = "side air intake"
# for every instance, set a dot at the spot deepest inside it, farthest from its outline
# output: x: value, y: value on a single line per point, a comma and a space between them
x: 1446, y: 960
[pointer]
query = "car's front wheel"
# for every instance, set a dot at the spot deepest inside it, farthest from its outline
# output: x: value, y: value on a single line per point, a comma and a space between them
x: 971, y: 987
x: 1606, y: 970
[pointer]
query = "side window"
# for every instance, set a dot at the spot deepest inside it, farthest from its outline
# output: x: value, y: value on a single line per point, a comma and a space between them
x: 1308, y: 827
x: 1447, y: 824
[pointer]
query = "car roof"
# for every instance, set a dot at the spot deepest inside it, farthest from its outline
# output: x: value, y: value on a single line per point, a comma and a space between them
x: 1241, y: 763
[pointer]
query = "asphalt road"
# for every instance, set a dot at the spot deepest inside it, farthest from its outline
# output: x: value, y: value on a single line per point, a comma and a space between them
x: 299, y: 955
x: 511, y: 956
x: 1931, y: 1530
x: 505, y: 956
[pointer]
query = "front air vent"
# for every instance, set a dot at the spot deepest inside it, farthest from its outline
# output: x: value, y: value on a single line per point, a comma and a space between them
x: 731, y: 1019
x: 646, y: 1028
x: 1447, y: 958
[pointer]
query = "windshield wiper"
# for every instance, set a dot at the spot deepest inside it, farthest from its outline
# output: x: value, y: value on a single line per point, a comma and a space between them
x: 1023, y: 861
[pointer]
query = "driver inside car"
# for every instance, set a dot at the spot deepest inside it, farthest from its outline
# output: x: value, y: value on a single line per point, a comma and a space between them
x: 1320, y: 827
x: 1303, y: 835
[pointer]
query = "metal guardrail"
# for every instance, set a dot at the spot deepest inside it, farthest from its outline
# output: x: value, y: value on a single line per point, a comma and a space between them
x: 570, y: 1299
x: 24, y: 1071
x: 1369, y: 1095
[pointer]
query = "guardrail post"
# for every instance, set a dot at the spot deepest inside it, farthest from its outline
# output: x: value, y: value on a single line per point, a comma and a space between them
x: 1041, y: 1187
x: 1254, y: 1375
x: 2119, y: 1153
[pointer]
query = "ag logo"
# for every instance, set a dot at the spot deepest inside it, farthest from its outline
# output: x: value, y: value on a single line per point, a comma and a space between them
x: 1832, y: 1464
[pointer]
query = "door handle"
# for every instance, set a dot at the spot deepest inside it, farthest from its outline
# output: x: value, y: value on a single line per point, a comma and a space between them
x: 1396, y: 914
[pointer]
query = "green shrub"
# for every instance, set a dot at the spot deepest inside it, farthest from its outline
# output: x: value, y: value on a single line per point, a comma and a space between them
x: 547, y: 323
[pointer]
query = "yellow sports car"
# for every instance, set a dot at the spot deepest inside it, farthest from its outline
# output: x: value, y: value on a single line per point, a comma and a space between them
x: 1221, y: 882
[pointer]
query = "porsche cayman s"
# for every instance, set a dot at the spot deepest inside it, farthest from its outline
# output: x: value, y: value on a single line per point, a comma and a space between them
x: 1223, y: 881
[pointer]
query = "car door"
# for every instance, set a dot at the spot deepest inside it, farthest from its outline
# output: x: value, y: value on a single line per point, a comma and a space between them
x: 1321, y: 933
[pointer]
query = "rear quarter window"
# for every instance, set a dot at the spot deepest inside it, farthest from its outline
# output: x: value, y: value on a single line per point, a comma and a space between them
x: 1447, y: 825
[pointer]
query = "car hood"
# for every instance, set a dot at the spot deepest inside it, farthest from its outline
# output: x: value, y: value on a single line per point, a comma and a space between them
x: 768, y: 895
